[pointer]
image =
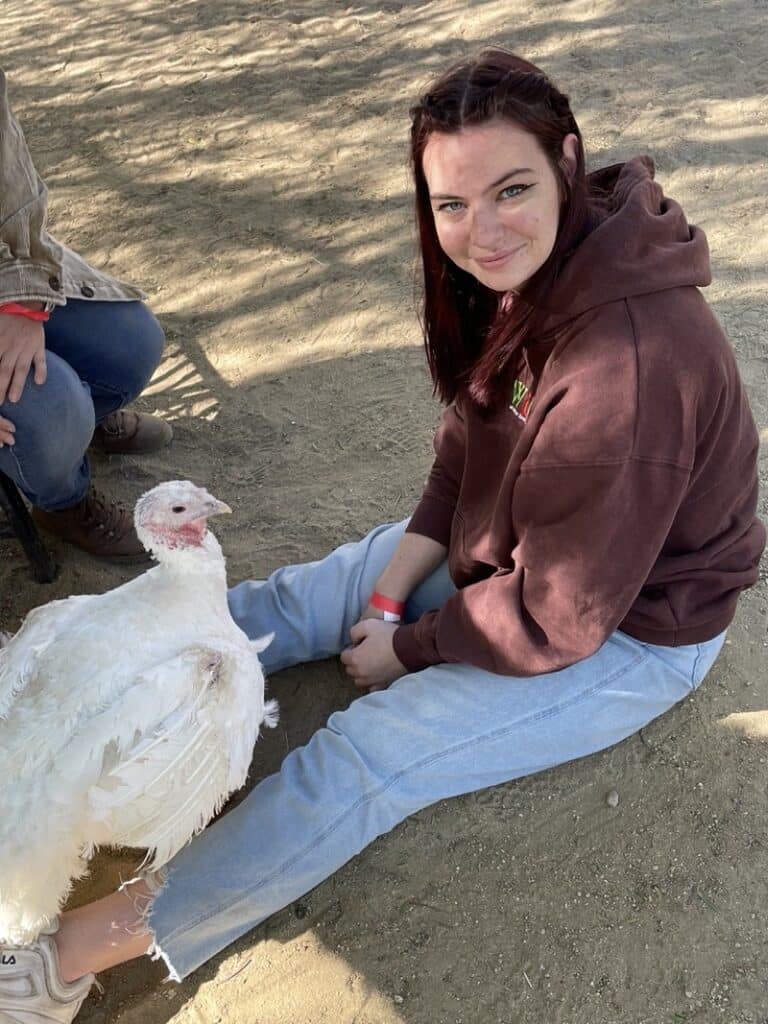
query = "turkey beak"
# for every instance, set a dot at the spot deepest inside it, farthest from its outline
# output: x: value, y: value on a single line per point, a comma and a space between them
x: 214, y: 507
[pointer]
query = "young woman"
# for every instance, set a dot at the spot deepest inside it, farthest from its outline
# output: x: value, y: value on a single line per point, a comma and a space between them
x: 570, y: 570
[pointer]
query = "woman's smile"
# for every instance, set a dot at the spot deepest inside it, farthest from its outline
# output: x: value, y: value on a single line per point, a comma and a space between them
x: 499, y: 259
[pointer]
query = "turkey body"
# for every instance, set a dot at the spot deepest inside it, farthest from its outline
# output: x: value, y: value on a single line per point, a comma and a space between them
x: 125, y: 719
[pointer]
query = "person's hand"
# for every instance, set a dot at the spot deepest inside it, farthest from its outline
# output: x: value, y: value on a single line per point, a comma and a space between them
x: 22, y: 345
x: 372, y: 663
x: 7, y: 432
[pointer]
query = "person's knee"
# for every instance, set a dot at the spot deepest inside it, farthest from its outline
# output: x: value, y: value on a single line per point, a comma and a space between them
x: 138, y: 358
x: 54, y: 425
x: 150, y: 341
x: 362, y: 737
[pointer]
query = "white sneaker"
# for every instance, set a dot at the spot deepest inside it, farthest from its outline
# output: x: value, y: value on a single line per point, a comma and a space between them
x: 31, y: 989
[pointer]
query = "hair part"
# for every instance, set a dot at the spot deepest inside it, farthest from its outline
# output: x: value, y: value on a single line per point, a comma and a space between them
x: 472, y: 333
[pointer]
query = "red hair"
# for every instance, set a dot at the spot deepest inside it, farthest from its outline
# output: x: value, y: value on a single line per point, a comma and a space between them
x: 470, y: 336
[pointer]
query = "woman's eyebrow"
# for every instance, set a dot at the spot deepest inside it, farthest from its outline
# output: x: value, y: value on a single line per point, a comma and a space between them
x: 494, y: 184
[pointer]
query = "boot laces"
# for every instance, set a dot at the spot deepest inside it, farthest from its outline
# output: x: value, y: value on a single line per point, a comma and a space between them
x: 103, y: 514
x: 116, y: 424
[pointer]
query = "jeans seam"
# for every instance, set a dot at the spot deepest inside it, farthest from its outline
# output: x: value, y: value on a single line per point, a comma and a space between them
x: 416, y: 766
x: 699, y: 653
x: 25, y: 484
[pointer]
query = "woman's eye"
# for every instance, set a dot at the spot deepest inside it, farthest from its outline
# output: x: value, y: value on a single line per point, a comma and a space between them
x: 451, y: 207
x: 512, y: 191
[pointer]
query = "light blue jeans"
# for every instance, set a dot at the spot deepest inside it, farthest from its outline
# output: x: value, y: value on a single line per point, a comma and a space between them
x: 446, y: 730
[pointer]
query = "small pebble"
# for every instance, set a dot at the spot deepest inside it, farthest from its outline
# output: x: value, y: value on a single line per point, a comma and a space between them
x: 612, y: 799
x: 398, y: 999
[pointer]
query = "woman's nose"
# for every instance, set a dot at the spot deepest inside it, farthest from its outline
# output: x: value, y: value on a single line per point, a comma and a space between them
x: 485, y: 228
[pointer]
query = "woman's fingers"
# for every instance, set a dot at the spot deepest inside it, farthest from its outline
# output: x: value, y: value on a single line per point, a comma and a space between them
x: 22, y: 341
x: 7, y: 431
x: 19, y: 378
x: 41, y: 366
x: 349, y: 661
x: 6, y: 372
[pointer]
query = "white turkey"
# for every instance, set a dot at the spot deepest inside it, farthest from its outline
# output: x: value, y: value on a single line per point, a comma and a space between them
x: 126, y: 718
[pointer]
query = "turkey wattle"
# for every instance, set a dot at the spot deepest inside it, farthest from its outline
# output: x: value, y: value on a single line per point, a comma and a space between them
x: 126, y: 718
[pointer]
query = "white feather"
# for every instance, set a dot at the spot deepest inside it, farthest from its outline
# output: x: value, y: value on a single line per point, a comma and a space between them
x: 18, y: 660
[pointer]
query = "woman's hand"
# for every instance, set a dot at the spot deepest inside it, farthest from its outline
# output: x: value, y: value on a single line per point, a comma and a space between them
x: 372, y: 663
x: 22, y: 344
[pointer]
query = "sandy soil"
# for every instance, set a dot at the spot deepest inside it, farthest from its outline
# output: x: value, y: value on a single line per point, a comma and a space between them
x: 245, y: 163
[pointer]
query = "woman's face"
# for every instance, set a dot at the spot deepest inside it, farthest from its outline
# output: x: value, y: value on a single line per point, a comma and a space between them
x: 495, y: 200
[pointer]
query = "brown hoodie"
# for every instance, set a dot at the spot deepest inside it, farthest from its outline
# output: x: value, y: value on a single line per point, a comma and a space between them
x: 617, y: 488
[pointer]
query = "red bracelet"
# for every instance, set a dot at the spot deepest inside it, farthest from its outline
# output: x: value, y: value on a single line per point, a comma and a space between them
x: 16, y: 309
x: 386, y: 604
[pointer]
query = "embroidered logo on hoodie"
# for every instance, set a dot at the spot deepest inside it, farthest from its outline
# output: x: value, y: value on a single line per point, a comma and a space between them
x: 520, y: 400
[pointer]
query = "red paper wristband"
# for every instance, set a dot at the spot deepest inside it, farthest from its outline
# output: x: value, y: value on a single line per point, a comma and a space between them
x: 386, y: 604
x: 16, y: 309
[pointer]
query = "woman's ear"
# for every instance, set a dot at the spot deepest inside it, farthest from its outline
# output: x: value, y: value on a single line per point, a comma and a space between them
x: 569, y: 157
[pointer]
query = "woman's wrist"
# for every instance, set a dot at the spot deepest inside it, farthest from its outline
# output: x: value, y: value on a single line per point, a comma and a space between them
x: 394, y: 585
x: 392, y: 610
x: 414, y: 559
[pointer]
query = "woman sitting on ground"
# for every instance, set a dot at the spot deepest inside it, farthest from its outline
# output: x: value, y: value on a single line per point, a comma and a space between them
x: 570, y: 570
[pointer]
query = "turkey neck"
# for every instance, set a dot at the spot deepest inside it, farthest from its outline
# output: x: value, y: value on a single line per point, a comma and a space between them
x: 206, y: 560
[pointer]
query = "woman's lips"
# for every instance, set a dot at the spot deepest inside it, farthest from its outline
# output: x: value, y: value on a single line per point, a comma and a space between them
x: 498, y: 258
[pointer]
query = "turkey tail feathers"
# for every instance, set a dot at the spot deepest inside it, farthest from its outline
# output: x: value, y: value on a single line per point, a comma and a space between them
x: 271, y: 714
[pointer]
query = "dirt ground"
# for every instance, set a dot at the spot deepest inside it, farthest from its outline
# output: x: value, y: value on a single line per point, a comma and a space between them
x: 244, y: 162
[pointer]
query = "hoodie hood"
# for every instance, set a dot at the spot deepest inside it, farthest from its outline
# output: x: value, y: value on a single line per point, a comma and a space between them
x: 641, y: 243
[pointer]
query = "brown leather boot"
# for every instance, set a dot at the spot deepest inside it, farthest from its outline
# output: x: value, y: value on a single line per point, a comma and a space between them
x: 128, y: 432
x: 96, y: 525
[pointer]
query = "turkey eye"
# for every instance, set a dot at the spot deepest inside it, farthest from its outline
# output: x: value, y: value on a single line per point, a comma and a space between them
x: 178, y: 508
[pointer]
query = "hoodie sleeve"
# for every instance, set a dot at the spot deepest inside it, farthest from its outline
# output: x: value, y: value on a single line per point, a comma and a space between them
x: 433, y: 516
x: 588, y: 536
x: 28, y: 258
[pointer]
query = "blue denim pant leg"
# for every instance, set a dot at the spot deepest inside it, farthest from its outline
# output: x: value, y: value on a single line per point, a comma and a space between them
x: 447, y: 730
x: 100, y: 356
x: 54, y: 425
x: 114, y: 347
x: 311, y: 607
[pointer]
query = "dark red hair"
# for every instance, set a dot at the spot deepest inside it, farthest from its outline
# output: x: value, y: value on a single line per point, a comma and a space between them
x: 470, y: 335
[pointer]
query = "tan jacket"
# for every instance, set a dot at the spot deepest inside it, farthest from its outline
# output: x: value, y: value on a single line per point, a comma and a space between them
x: 33, y: 265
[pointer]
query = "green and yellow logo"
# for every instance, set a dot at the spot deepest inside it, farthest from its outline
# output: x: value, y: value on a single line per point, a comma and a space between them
x: 520, y: 400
